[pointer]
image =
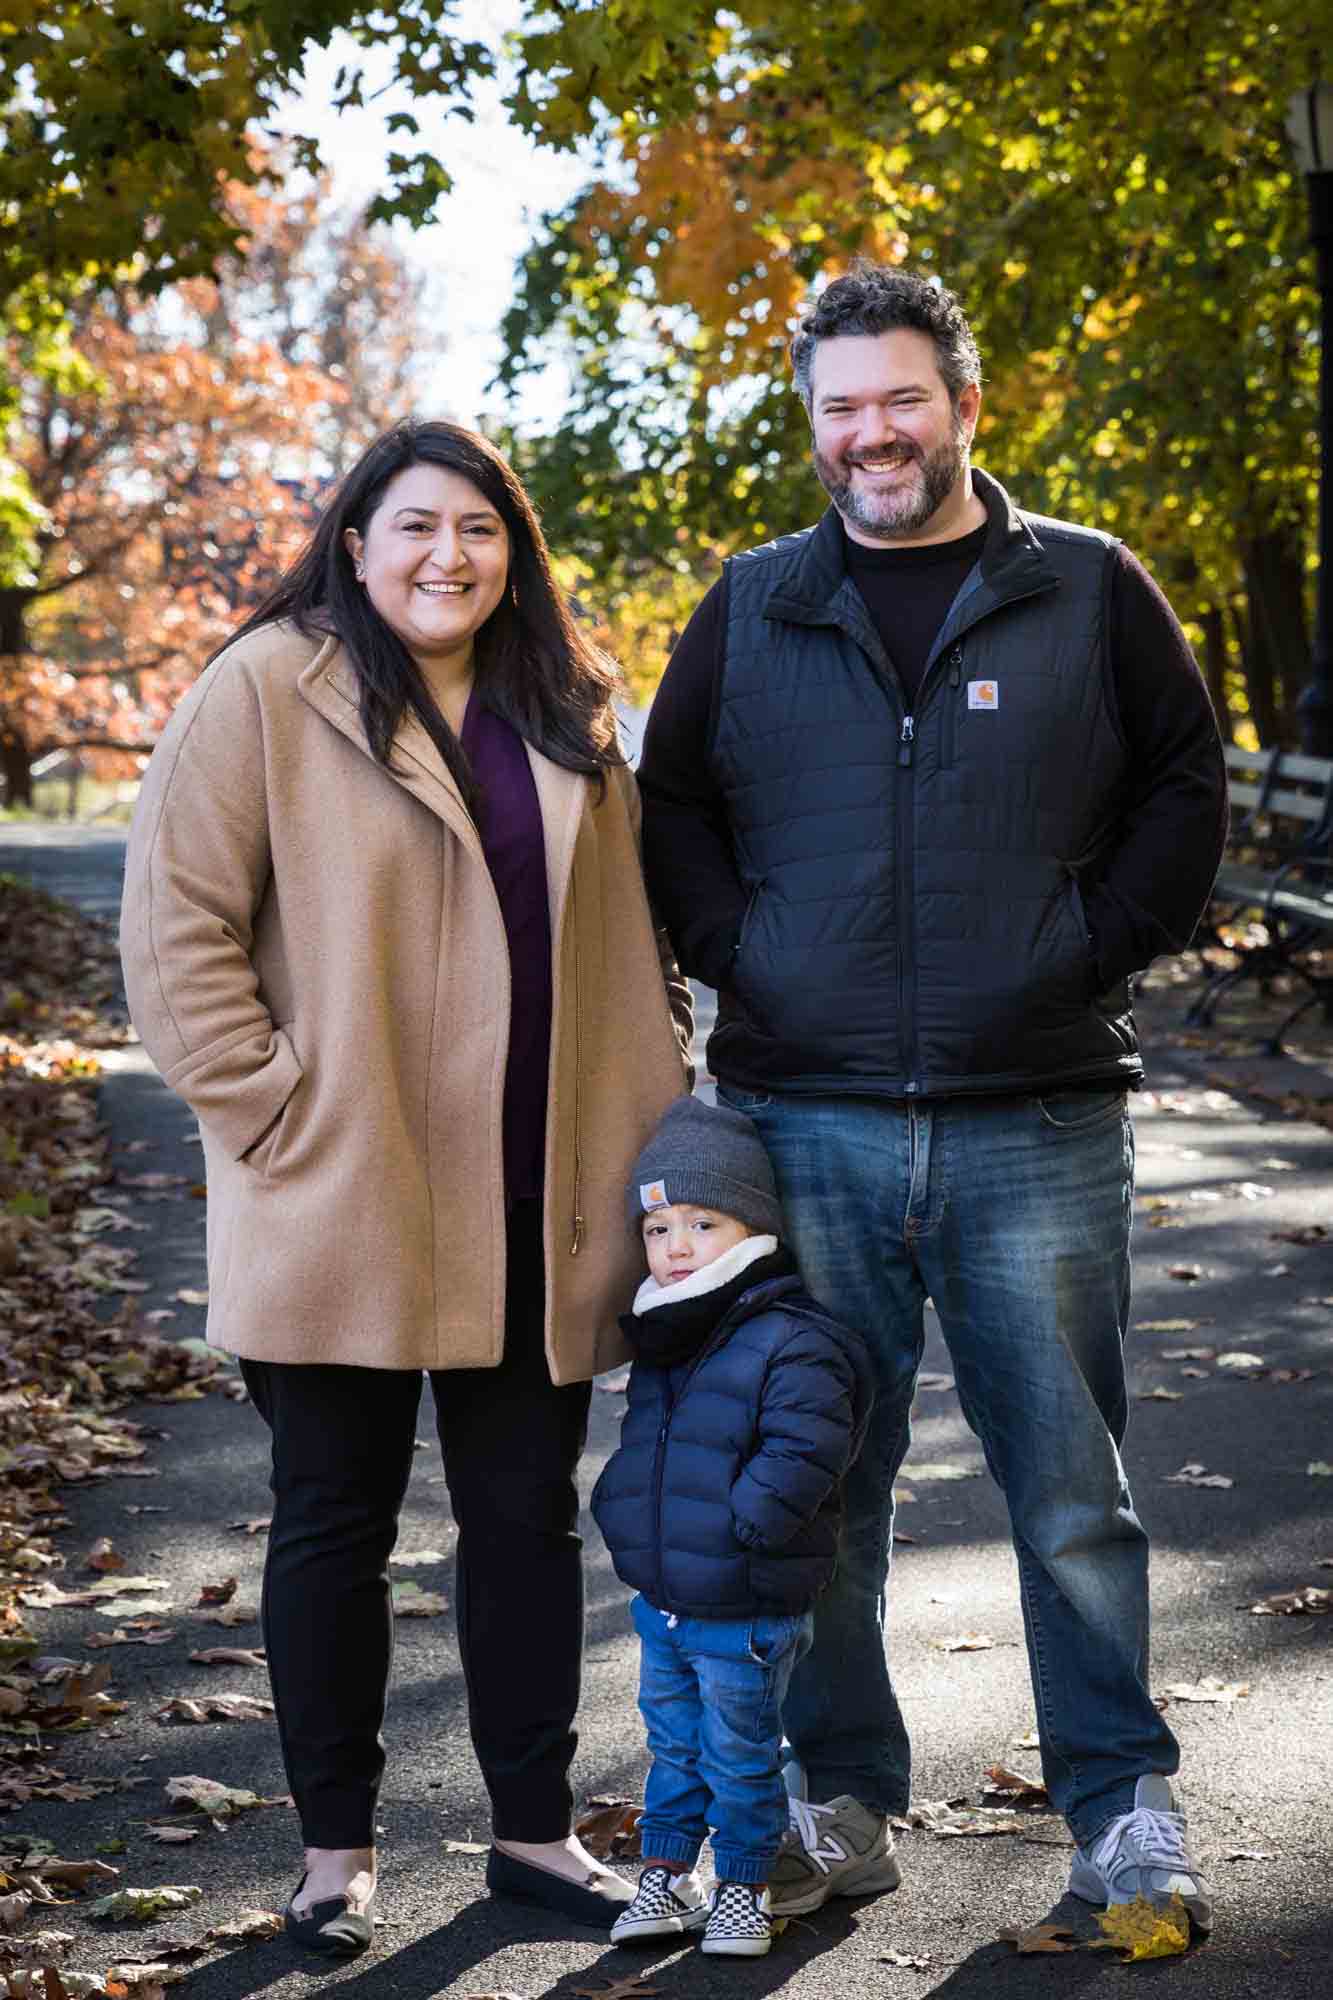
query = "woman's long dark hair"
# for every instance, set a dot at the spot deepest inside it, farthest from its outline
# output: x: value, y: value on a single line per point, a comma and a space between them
x: 533, y: 665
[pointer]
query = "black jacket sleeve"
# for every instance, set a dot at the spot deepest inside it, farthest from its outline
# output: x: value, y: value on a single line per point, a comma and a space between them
x: 687, y: 852
x: 1149, y: 891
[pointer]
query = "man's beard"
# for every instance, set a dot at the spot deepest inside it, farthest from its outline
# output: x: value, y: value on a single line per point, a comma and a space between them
x: 891, y: 515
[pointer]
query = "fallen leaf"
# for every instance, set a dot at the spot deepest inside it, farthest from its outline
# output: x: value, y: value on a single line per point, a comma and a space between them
x: 1290, y: 1603
x: 1276, y: 1270
x: 620, y: 1989
x: 187, y: 1297
x: 932, y: 1383
x: 942, y: 1469
x: 173, y: 1836
x: 1195, y: 1374
x: 229, y: 1656
x: 614, y: 1384
x: 218, y: 1593
x: 411, y: 1601
x: 1169, y: 1325
x: 1188, y: 1353
x: 1030, y: 1741
x: 1238, y: 1358
x: 1308, y: 1233
x: 1247, y: 1854
x: 1040, y: 1938
x: 206, y: 1795
x: 1319, y: 1468
x: 215, y: 1708
x: 142, y: 1905
x: 1188, y: 1274
x: 609, y: 1828
x: 235, y: 1613
x: 911, y: 1962
x: 467, y: 1847
x: 246, y: 1928
x: 1159, y: 1395
x: 417, y: 1558
x: 964, y: 1642
x: 1249, y: 1190
x: 104, y: 1558
x: 148, y: 1634
x: 1013, y: 1788
x: 1209, y: 1689
x: 948, y: 1821
x: 259, y: 1525
x: 1144, y: 1930
x: 1195, y: 1475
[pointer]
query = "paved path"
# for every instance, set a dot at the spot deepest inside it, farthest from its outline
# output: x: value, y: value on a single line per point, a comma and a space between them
x: 1257, y: 1774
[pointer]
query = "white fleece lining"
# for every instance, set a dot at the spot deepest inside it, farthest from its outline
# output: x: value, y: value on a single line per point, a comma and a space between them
x: 720, y: 1272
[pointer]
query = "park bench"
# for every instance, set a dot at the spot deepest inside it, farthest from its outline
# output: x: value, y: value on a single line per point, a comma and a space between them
x: 1278, y: 868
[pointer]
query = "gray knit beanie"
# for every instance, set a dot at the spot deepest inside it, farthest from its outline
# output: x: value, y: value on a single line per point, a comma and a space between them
x: 708, y: 1156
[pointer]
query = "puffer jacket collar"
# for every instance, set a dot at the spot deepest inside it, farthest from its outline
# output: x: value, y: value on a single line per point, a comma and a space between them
x: 817, y: 590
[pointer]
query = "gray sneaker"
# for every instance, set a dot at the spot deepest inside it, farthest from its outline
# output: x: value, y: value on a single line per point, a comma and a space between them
x: 1144, y: 1853
x: 839, y: 1849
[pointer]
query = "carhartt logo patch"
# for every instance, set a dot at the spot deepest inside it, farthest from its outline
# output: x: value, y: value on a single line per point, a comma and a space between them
x: 983, y: 694
x: 653, y: 1194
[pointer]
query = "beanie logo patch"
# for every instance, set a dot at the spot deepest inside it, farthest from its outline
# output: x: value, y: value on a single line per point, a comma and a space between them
x: 653, y: 1194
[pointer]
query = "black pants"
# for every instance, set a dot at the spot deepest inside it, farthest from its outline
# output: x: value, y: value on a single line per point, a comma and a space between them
x: 342, y: 1451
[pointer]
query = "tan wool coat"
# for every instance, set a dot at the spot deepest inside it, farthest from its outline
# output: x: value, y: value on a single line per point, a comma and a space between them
x: 316, y: 960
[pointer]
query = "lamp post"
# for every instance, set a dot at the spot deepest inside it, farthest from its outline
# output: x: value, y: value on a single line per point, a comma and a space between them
x: 1310, y: 126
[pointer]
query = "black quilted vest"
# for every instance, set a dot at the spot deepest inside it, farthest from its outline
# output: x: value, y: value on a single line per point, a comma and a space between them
x: 915, y: 926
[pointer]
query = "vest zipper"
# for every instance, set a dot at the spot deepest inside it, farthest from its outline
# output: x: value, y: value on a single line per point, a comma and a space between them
x: 906, y: 791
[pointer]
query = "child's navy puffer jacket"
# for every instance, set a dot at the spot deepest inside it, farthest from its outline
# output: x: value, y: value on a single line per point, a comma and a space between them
x: 723, y: 1498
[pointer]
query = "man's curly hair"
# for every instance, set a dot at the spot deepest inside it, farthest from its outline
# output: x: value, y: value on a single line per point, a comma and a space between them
x: 879, y: 298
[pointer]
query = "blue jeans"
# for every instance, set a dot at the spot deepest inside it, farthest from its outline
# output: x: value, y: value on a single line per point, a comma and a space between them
x: 1013, y: 1216
x: 711, y: 1692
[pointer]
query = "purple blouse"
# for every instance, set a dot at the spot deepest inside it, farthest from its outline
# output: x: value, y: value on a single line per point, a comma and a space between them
x: 509, y: 821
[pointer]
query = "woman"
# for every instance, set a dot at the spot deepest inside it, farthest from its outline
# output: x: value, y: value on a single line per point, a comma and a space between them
x: 384, y: 930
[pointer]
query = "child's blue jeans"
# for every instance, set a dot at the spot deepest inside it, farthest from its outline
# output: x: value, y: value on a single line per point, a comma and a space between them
x: 711, y: 1693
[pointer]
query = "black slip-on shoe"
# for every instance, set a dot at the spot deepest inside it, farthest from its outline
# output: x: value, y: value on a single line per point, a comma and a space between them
x: 329, y: 1927
x: 596, y: 1902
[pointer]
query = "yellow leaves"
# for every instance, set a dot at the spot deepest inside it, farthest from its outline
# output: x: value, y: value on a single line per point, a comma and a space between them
x: 1144, y: 1930
x: 1021, y: 155
x: 1137, y: 1930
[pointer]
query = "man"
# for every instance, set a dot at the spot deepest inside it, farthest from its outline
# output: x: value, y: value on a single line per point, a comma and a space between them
x: 923, y: 786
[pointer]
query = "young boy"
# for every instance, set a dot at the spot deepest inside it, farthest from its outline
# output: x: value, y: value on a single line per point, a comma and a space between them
x: 747, y: 1403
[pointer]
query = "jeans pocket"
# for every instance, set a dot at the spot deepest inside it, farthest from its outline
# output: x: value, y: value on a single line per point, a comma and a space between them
x: 770, y: 1637
x: 1077, y: 1110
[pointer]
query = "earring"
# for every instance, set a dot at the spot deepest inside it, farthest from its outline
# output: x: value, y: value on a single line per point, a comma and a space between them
x: 360, y: 574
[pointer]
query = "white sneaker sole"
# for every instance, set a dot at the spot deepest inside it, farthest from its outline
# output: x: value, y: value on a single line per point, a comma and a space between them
x: 1086, y: 1883
x: 736, y: 1947
x: 874, y: 1878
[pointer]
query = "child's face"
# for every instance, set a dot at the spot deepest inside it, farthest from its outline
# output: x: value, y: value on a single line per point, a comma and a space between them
x: 682, y: 1239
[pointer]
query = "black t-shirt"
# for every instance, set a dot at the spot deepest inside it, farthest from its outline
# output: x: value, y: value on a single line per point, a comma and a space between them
x: 1154, y: 882
x: 908, y: 593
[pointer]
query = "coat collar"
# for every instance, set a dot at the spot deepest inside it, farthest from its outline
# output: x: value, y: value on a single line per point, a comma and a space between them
x: 329, y: 684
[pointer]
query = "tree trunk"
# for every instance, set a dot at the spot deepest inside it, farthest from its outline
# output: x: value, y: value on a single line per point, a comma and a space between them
x: 15, y: 755
x: 1278, y: 650
x: 1215, y: 668
x: 15, y: 766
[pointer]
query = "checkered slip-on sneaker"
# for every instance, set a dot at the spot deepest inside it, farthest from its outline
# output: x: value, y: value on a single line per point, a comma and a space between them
x: 740, y: 1923
x: 664, y: 1905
